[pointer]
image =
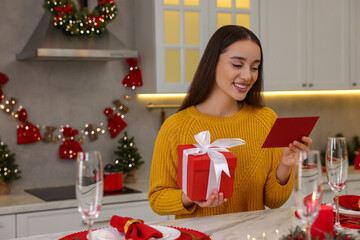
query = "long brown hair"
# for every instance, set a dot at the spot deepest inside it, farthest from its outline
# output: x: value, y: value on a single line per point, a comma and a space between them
x: 204, y: 78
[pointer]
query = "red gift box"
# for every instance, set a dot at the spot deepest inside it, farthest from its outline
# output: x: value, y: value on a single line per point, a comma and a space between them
x: 198, y: 169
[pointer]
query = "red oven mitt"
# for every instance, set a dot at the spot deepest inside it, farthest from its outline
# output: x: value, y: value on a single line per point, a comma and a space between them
x: 350, y: 201
x: 134, y: 228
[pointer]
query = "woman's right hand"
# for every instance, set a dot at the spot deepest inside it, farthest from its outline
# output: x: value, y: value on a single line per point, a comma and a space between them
x: 216, y: 199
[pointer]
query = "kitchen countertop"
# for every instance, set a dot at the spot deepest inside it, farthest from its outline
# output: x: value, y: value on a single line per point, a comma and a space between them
x: 21, y: 202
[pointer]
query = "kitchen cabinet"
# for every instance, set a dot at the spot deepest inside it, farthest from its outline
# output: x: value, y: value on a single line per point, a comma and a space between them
x: 354, y: 44
x: 63, y: 220
x: 307, y: 46
x: 7, y: 226
x: 171, y: 36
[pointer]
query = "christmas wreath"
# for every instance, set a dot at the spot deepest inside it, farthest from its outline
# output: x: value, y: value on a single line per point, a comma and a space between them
x: 67, y: 18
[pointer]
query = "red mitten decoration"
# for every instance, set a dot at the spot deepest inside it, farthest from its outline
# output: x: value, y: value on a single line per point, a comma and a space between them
x: 70, y: 147
x: 26, y: 132
x: 3, y: 80
x: 133, y: 79
x: 115, y: 122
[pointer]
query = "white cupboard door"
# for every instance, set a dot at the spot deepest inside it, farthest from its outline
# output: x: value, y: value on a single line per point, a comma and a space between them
x: 354, y: 44
x: 283, y: 38
x: 7, y: 226
x: 328, y: 53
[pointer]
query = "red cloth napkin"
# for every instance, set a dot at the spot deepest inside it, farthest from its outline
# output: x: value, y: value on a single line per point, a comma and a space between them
x: 136, y: 230
x: 350, y: 201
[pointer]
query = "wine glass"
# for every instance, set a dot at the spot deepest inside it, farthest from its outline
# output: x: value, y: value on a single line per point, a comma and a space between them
x: 337, y: 164
x: 308, y: 187
x: 89, y: 186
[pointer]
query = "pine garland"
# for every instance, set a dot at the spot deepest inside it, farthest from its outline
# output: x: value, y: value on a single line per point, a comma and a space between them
x: 72, y: 22
x: 299, y: 234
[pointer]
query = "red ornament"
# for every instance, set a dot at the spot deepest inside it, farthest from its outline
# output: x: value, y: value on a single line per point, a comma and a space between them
x: 357, y: 160
x: 115, y: 122
x: 3, y: 80
x: 26, y: 132
x: 60, y: 10
x: 133, y: 79
x: 70, y: 147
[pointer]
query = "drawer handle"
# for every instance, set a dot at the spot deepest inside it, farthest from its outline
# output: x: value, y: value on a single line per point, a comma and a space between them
x: 97, y: 221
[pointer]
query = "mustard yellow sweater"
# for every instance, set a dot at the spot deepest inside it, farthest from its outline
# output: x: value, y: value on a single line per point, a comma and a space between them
x: 255, y: 183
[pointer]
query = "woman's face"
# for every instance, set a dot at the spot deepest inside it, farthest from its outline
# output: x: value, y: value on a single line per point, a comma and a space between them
x: 237, y: 69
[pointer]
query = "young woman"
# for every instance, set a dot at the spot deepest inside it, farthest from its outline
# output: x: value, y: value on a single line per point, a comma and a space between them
x: 225, y: 99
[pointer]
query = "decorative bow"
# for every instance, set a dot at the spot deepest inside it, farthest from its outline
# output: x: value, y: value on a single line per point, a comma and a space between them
x: 218, y: 162
x: 60, y: 10
x: 104, y: 1
x: 97, y: 20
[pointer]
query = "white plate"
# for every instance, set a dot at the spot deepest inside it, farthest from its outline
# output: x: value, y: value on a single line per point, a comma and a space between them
x: 111, y: 233
x: 345, y: 211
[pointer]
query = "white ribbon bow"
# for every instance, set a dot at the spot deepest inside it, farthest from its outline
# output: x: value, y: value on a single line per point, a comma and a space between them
x: 218, y: 161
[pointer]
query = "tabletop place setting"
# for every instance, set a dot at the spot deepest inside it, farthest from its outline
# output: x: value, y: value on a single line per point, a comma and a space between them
x: 318, y: 220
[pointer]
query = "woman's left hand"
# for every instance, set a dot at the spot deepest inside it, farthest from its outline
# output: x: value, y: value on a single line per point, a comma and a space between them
x: 287, y: 159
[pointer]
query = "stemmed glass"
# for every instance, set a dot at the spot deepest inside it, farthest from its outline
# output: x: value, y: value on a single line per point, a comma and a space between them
x: 337, y: 164
x: 89, y: 186
x: 308, y: 187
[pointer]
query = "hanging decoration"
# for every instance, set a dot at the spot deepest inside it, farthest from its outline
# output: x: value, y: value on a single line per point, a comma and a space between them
x: 3, y: 80
x: 48, y: 135
x: 133, y: 79
x: 70, y: 147
x: 72, y: 22
x: 115, y: 122
x: 26, y: 132
x: 67, y: 136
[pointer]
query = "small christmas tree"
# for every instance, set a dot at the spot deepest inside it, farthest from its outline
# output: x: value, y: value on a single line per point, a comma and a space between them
x: 127, y: 154
x: 8, y: 168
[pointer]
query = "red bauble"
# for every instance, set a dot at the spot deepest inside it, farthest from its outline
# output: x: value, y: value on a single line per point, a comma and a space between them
x: 26, y: 132
x: 115, y: 122
x: 133, y: 79
x: 70, y: 147
x: 3, y: 80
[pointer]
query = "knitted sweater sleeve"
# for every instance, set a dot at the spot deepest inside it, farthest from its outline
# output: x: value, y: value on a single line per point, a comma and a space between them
x: 164, y: 194
x: 275, y: 193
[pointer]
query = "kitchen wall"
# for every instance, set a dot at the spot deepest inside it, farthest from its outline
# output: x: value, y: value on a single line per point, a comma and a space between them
x: 58, y: 93
x: 75, y: 93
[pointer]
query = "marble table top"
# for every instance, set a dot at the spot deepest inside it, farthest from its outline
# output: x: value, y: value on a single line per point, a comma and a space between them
x: 256, y: 225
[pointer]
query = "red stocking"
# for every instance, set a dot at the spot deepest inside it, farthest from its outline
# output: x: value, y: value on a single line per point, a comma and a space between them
x: 115, y: 122
x: 70, y: 147
x: 133, y: 79
x: 26, y: 132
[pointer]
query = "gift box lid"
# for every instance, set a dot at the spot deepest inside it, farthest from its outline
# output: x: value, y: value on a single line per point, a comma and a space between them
x: 202, y: 162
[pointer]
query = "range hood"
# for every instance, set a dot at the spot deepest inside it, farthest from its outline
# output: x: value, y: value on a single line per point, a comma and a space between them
x: 50, y: 43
